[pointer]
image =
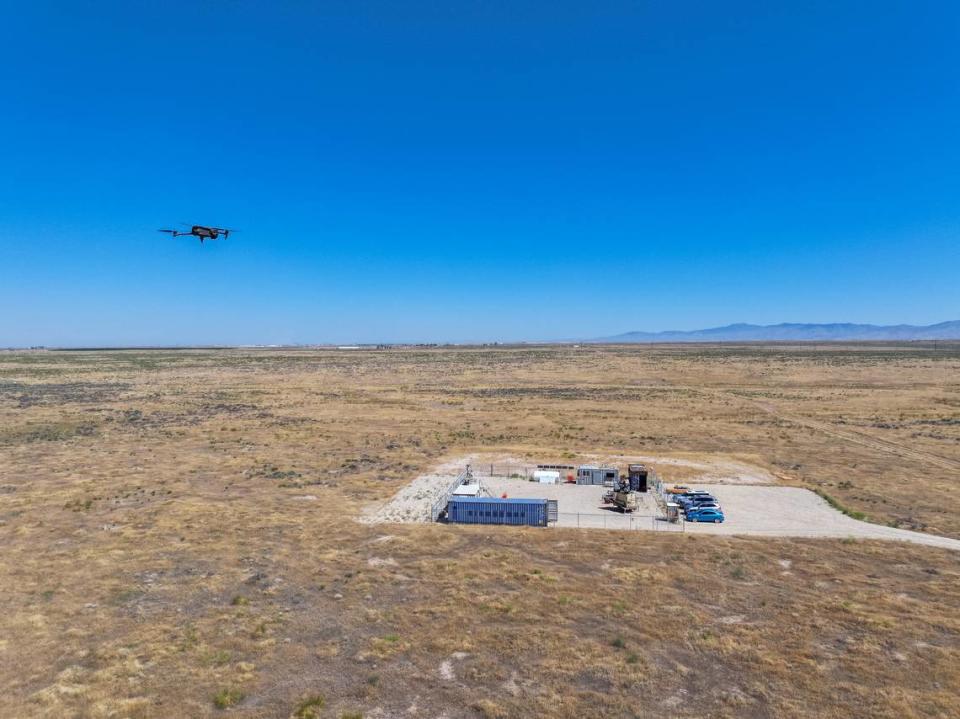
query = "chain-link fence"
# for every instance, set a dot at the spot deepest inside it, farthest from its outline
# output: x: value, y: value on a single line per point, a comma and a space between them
x: 440, y: 505
x: 610, y: 520
x: 504, y: 469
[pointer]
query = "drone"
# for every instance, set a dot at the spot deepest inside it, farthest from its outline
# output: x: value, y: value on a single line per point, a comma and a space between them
x: 202, y: 231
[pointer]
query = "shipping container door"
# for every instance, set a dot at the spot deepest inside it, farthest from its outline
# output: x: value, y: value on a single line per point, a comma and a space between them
x: 552, y: 513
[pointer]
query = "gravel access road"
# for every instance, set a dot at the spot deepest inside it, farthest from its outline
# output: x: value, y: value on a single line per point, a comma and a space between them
x: 797, y: 512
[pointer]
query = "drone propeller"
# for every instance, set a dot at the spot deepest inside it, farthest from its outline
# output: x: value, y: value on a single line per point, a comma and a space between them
x: 172, y: 232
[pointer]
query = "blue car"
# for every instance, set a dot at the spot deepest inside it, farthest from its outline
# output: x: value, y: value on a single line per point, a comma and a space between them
x: 705, y: 515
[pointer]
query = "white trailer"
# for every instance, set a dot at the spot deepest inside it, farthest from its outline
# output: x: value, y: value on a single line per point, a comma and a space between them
x: 546, y: 476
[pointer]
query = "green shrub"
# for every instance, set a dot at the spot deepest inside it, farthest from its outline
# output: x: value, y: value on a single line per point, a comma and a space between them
x: 309, y: 708
x: 226, y: 698
x: 853, y: 514
x: 218, y: 658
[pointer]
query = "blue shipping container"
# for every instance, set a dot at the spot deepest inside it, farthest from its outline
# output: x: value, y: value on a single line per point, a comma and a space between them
x: 492, y: 510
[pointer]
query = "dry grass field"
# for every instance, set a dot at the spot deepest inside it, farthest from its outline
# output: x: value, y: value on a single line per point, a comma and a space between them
x: 179, y: 536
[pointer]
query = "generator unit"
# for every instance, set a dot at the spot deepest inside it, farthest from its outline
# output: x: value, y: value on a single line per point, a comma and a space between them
x: 637, y: 477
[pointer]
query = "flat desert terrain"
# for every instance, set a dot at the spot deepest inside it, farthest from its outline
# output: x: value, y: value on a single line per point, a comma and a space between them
x: 209, y: 533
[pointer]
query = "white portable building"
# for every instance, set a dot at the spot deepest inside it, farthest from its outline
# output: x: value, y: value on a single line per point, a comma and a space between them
x: 546, y: 476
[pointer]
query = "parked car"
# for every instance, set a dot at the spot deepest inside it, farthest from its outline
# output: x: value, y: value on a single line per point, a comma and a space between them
x: 706, y: 515
x: 701, y: 507
x: 691, y: 497
x: 699, y: 499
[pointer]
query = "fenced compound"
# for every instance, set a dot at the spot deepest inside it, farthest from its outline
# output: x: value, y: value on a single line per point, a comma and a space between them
x: 652, y: 515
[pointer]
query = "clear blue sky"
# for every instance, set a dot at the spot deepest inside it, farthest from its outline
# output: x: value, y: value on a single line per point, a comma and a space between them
x: 459, y: 171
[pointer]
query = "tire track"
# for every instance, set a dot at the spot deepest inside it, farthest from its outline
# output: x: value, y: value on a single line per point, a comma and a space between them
x: 852, y: 436
x: 881, y: 445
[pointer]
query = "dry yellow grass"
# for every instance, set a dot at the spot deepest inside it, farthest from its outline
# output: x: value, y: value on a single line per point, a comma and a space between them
x: 163, y: 557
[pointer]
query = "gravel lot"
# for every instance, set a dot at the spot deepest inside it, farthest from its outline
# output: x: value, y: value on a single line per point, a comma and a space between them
x: 796, y: 512
x: 750, y: 509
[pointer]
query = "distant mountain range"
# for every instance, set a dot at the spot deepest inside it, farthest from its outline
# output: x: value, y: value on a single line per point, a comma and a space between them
x: 788, y: 332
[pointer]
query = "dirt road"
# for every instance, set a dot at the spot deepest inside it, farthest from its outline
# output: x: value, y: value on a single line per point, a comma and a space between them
x: 848, y: 435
